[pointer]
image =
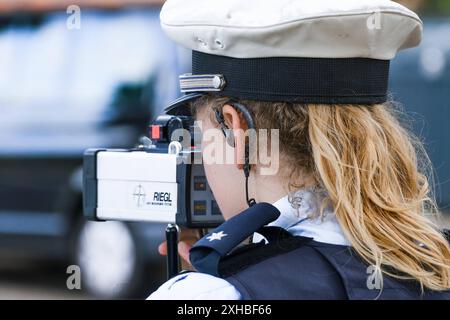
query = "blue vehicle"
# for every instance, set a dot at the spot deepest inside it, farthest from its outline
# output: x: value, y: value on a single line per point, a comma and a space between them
x: 420, y: 80
x: 63, y: 91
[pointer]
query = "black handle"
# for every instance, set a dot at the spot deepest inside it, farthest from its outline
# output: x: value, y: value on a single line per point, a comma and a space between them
x: 173, y: 261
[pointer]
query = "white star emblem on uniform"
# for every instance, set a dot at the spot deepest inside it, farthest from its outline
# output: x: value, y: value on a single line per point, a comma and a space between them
x: 216, y: 236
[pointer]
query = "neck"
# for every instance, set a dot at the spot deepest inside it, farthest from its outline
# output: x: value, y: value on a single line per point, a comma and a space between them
x: 267, y: 188
x: 270, y: 188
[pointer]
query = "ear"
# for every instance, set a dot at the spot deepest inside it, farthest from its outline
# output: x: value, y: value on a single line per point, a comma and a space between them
x: 237, y: 124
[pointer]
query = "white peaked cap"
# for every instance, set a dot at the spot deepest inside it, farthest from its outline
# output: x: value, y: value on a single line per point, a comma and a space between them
x: 302, y: 51
x: 375, y: 29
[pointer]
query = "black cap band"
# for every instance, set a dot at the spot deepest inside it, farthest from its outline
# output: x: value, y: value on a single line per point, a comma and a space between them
x: 301, y: 80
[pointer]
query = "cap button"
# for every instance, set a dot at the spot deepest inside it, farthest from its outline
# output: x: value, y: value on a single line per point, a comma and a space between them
x: 218, y: 82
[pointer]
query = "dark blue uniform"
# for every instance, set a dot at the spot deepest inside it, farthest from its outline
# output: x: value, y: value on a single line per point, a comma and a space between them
x: 292, y: 267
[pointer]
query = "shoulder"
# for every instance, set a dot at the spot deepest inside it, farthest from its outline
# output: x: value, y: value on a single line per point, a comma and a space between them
x: 291, y: 268
x: 196, y: 286
x: 289, y: 251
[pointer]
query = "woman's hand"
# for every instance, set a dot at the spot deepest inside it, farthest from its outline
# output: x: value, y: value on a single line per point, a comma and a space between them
x: 187, y: 238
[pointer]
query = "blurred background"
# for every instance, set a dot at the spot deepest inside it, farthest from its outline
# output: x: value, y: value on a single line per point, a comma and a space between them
x: 71, y: 80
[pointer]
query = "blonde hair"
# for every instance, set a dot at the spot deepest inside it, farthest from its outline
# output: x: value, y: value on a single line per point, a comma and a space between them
x: 373, y: 171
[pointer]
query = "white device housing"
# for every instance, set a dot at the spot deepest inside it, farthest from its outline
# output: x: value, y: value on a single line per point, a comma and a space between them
x: 144, y: 191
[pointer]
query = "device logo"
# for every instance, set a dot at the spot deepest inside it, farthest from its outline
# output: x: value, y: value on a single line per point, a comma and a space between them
x: 162, y: 199
x: 139, y: 195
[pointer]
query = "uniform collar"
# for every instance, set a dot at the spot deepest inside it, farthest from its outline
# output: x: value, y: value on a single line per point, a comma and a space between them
x: 300, y: 216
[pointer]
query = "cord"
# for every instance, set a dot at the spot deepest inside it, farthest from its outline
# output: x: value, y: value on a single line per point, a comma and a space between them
x: 250, y: 124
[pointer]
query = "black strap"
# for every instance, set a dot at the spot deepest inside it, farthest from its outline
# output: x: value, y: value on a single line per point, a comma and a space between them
x: 252, y: 254
x: 273, y: 234
x: 300, y: 80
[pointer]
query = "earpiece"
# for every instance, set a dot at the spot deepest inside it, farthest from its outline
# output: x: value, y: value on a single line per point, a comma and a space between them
x: 230, y: 140
x: 229, y: 136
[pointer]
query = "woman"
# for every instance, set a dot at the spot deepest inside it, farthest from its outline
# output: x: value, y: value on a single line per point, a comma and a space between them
x: 351, y: 190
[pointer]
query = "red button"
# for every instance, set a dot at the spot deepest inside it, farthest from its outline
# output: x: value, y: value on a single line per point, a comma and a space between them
x: 156, y: 132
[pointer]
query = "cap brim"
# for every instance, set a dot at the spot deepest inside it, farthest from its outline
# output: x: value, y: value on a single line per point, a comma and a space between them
x: 181, y: 105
